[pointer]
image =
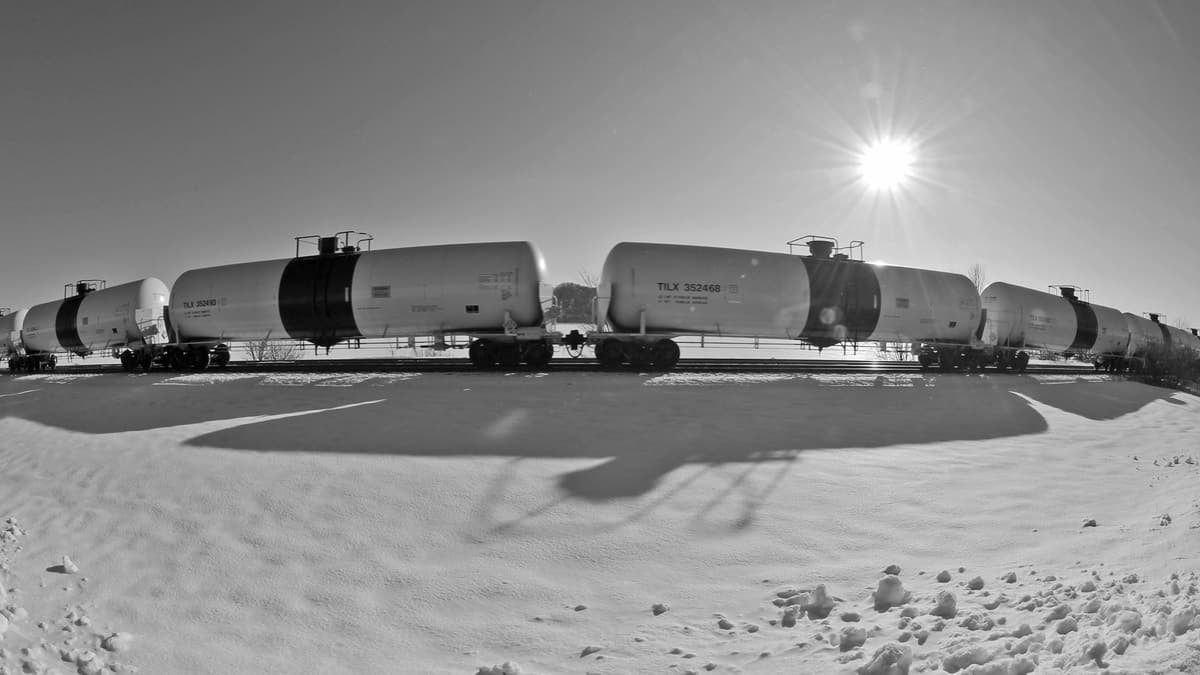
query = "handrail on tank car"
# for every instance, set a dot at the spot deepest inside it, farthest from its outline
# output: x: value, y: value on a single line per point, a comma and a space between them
x: 838, y: 251
x: 1072, y: 292
x: 83, y: 287
x: 341, y: 242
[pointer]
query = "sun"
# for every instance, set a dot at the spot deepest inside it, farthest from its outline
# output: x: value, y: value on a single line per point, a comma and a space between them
x: 886, y: 165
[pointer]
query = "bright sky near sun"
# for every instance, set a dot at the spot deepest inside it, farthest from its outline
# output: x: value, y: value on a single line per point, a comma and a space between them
x: 1049, y: 142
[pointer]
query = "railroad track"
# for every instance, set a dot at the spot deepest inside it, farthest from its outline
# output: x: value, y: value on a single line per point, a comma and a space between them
x: 453, y: 365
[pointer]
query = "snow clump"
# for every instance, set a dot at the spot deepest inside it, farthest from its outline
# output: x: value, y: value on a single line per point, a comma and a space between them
x: 890, y: 659
x: 506, y: 668
x: 946, y: 607
x: 890, y: 593
x: 818, y: 604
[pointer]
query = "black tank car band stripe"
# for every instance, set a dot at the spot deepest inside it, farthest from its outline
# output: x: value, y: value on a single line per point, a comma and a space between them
x: 314, y: 299
x: 1086, y: 327
x: 843, y: 300
x: 1165, y: 333
x: 66, y: 324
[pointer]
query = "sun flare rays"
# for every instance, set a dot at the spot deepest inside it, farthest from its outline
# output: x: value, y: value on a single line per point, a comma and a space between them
x: 886, y: 164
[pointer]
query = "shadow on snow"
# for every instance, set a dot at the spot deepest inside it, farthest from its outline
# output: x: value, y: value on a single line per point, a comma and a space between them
x: 645, y: 432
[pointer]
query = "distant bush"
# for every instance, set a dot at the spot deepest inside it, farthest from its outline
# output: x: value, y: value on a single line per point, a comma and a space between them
x: 273, y: 350
x: 574, y: 302
x: 1170, y: 365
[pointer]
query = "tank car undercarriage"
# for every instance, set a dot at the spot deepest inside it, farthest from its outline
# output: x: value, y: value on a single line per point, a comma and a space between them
x: 492, y: 353
x: 31, y: 363
x: 965, y: 358
x: 637, y: 351
x: 173, y: 357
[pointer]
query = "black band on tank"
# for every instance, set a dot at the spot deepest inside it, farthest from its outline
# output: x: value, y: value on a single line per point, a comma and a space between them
x: 843, y: 301
x: 1165, y: 333
x: 314, y: 299
x: 66, y: 325
x: 1085, y: 327
x: 171, y: 336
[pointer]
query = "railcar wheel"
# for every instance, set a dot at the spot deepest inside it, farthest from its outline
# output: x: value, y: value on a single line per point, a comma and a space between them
x: 610, y: 353
x: 947, y: 359
x: 198, y: 359
x: 51, y: 362
x: 1022, y: 361
x: 220, y: 357
x: 925, y: 360
x: 509, y: 355
x: 665, y: 354
x: 128, y: 361
x: 538, y: 354
x: 175, y: 360
x: 481, y: 354
x: 641, y: 356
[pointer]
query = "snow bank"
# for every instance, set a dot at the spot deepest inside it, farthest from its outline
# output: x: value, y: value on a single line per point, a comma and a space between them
x: 592, y: 523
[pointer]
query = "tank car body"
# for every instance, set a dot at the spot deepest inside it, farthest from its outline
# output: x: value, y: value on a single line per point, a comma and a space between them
x: 1019, y: 318
x: 1178, y: 338
x: 1188, y: 340
x: 1151, y: 333
x: 1144, y: 335
x: 486, y: 290
x: 651, y: 292
x: 10, y: 333
x: 128, y: 316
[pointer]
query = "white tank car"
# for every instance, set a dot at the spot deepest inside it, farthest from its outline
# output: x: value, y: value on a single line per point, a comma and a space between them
x: 96, y: 319
x: 1186, y: 339
x: 1024, y: 318
x: 650, y: 292
x: 1144, y: 334
x: 1179, y: 338
x: 10, y: 332
x: 487, y: 290
x: 1172, y: 336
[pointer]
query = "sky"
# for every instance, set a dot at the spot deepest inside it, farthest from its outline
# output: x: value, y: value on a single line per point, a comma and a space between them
x: 1052, y: 142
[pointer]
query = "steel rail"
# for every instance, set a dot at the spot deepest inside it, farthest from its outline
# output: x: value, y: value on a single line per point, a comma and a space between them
x: 585, y: 365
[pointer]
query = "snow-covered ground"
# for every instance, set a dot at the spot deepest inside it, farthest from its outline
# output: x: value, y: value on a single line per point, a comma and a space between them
x: 609, y: 523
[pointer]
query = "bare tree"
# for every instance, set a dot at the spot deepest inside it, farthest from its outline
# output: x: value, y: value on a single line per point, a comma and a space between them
x: 976, y: 275
x: 272, y: 350
x: 587, y: 278
x: 591, y: 283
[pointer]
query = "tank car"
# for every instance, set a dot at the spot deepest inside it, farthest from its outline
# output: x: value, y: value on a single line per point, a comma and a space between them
x: 126, y: 319
x: 10, y: 332
x: 650, y: 293
x: 489, y: 291
x: 1145, y: 335
x: 1151, y: 333
x: 1189, y: 339
x: 1020, y: 319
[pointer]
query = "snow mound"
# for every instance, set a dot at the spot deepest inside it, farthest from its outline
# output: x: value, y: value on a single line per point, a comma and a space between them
x: 708, y: 379
x: 506, y: 668
x: 1058, y: 627
x: 57, y: 378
